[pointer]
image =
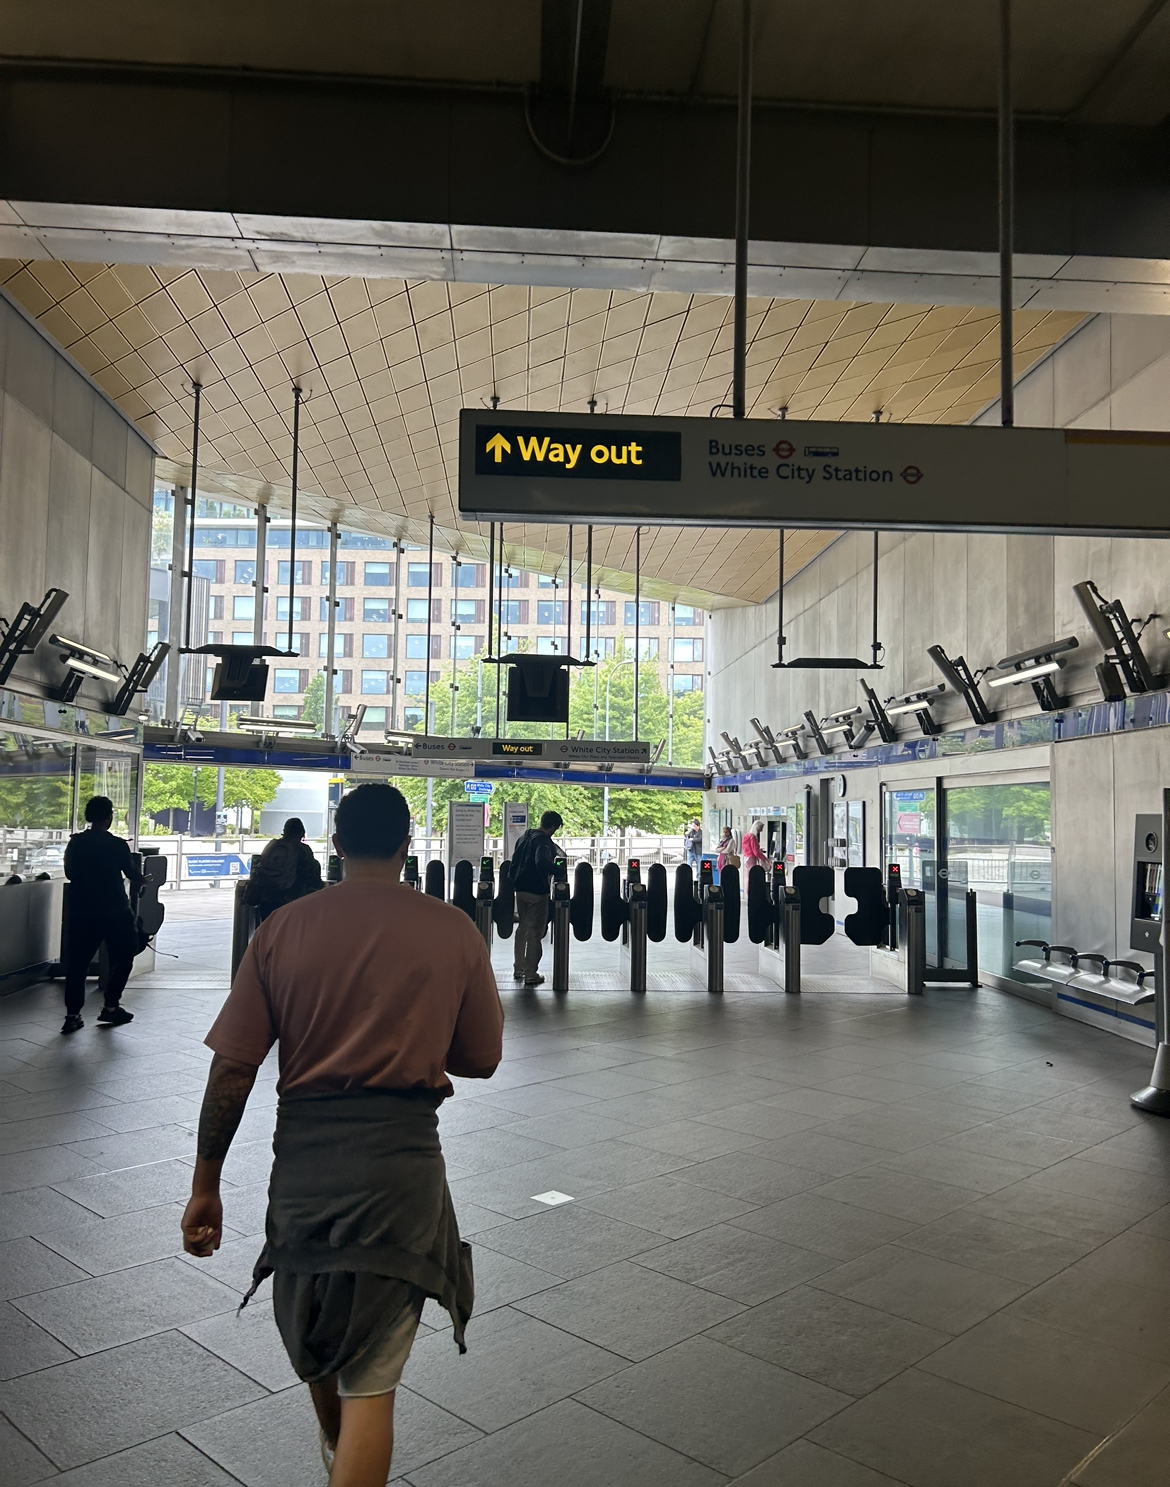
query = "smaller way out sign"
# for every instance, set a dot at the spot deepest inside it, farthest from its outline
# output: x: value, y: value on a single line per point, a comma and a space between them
x: 575, y: 454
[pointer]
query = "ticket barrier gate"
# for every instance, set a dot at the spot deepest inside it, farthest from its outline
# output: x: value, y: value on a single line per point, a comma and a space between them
x: 774, y: 923
x: 245, y: 920
x: 485, y: 892
x: 635, y: 903
x: 561, y: 906
x: 410, y: 874
x: 918, y: 974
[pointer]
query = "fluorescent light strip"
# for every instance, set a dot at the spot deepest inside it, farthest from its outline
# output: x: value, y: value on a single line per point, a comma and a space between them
x: 909, y: 707
x: 87, y: 668
x: 834, y: 728
x: 1013, y: 678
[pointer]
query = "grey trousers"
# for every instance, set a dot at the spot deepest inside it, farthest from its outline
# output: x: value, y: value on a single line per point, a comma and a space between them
x: 532, y: 911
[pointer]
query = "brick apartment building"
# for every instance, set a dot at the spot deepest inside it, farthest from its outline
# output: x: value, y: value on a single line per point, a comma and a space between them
x: 534, y: 613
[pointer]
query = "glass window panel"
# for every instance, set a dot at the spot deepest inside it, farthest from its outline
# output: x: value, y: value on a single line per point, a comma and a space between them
x: 550, y: 611
x: 685, y: 614
x: 36, y: 803
x: 463, y: 610
x: 547, y: 645
x: 544, y: 581
x: 244, y: 607
x: 416, y: 611
x: 245, y: 570
x: 417, y: 575
x: 463, y: 575
x: 304, y: 572
x: 416, y: 683
x: 377, y: 573
x: 466, y: 646
x: 243, y: 637
x: 284, y: 710
x: 376, y: 611
x: 286, y: 680
x: 375, y: 646
x: 373, y: 681
x: 412, y: 719
x: 416, y: 647
x: 686, y: 684
x: 373, y: 720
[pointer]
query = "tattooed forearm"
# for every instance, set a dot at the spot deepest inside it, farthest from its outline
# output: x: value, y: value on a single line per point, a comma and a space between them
x: 228, y: 1086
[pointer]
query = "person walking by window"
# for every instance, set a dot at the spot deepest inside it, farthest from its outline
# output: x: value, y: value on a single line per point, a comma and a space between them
x: 375, y: 995
x: 533, y: 862
x: 753, y: 853
x: 728, y: 844
x: 288, y: 869
x: 693, y: 842
x: 96, y: 862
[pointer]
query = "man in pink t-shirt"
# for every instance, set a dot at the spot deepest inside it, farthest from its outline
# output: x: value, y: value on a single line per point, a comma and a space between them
x: 375, y: 994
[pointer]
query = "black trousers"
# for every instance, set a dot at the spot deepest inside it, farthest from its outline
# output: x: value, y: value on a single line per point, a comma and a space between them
x: 86, y: 933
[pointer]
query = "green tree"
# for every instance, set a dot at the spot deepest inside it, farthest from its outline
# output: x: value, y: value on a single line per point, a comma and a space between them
x: 313, y: 705
x: 170, y: 787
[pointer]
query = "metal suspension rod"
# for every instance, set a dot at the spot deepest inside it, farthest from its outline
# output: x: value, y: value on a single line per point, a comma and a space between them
x: 780, y: 607
x: 430, y: 591
x: 500, y: 627
x: 491, y: 582
x: 569, y: 613
x: 637, y: 618
x: 743, y: 153
x: 292, y: 535
x: 875, y: 645
x: 197, y: 388
x: 588, y: 590
x: 1007, y: 209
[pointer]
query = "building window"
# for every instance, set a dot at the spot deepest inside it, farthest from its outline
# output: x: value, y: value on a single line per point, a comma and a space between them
x: 215, y: 609
x: 467, y: 611
x: 412, y: 719
x: 418, y: 575
x: 225, y: 536
x: 551, y: 611
x: 416, y: 611
x: 547, y: 645
x: 344, y: 574
x: 210, y: 569
x: 286, y: 680
x: 465, y: 647
x: 243, y: 637
x: 374, y: 681
x: 376, y: 647
x: 602, y: 646
x: 686, y: 614
x: 416, y: 683
x: 245, y: 570
x: 376, y: 611
x: 416, y: 647
x: 284, y: 710
x: 299, y: 646
x: 468, y: 575
x: 514, y: 612
x: 342, y: 645
x: 601, y: 612
x: 244, y: 607
x: 545, y: 581
x: 647, y: 647
x: 304, y: 572
x: 649, y: 612
x: 377, y: 575
x: 344, y: 611
x: 514, y: 578
x: 301, y: 608
x: 686, y: 683
x: 373, y: 720
x: 688, y: 648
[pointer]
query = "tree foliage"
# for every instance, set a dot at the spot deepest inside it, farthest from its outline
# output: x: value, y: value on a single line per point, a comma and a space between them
x: 170, y: 787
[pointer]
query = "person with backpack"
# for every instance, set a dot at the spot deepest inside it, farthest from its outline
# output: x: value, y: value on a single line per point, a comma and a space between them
x: 96, y: 861
x: 533, y: 863
x: 288, y: 869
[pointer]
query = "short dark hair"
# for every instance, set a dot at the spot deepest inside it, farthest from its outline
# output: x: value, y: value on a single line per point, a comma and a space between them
x: 294, y: 827
x: 99, y: 808
x: 551, y: 821
x: 372, y: 821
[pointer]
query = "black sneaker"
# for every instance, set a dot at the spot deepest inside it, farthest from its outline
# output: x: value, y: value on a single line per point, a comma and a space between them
x: 73, y: 1023
x: 517, y: 975
x: 114, y: 1016
x: 534, y: 981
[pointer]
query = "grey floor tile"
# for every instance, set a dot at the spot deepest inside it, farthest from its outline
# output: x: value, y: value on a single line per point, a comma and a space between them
x: 32, y: 1169
x: 92, y: 1315
x: 249, y: 1341
x: 1139, y: 1259
x: 572, y: 1127
x: 100, y: 1245
x: 1062, y: 1125
x: 140, y: 1115
x: 1054, y: 1212
x: 968, y: 1238
x: 25, y: 1347
x: 115, y: 1151
x: 20, y: 1461
x: 701, y: 1399
x: 1143, y: 1148
x: 46, y: 1130
x: 244, y: 1208
x: 500, y: 1279
x: 579, y: 1172
x: 1053, y: 1373
x: 26, y: 1266
x: 890, y: 1129
x: 667, y: 1206
x: 461, y: 1117
x: 1157, y: 1223
x: 629, y: 1310
x: 231, y: 1265
x: 79, y: 1412
x: 934, y: 1293
x: 736, y: 1263
x: 1104, y: 1309
x: 567, y: 1241
x: 472, y: 1220
x: 514, y: 1366
x: 26, y: 1213
x: 836, y: 1229
x: 831, y: 1155
x: 166, y: 1462
x: 821, y: 1102
x: 609, y: 1084
x: 271, y: 1442
x: 804, y: 1464
x: 1016, y: 1143
x: 928, y: 1432
x: 1136, y: 1456
x: 973, y: 1170
x: 751, y: 1177
x: 581, y: 1447
x: 764, y: 1121
x: 423, y: 1432
x: 1106, y: 1184
x: 695, y: 1140
x: 111, y: 1193
x: 536, y: 1101
x: 902, y: 1195
x: 829, y: 1338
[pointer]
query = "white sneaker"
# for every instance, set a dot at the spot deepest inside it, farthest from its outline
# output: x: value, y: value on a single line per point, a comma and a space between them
x: 326, y: 1450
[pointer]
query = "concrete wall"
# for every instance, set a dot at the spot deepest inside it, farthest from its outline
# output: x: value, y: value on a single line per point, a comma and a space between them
x: 984, y: 597
x: 76, y: 485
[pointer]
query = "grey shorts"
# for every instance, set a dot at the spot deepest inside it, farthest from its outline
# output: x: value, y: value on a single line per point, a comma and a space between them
x: 377, y: 1369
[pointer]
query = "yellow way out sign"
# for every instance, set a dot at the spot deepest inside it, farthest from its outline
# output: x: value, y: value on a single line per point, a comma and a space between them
x: 573, y: 454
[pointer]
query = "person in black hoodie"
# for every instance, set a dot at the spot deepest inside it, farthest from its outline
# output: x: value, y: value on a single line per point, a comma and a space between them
x: 96, y: 861
x: 287, y: 870
x: 533, y: 862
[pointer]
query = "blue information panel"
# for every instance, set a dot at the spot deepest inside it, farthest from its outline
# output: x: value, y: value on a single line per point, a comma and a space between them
x: 478, y: 787
x: 216, y: 865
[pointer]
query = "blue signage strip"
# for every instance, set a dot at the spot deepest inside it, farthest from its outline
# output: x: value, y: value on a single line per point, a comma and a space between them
x: 216, y: 865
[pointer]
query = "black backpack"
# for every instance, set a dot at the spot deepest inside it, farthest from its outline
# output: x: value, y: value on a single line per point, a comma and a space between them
x: 523, y: 856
